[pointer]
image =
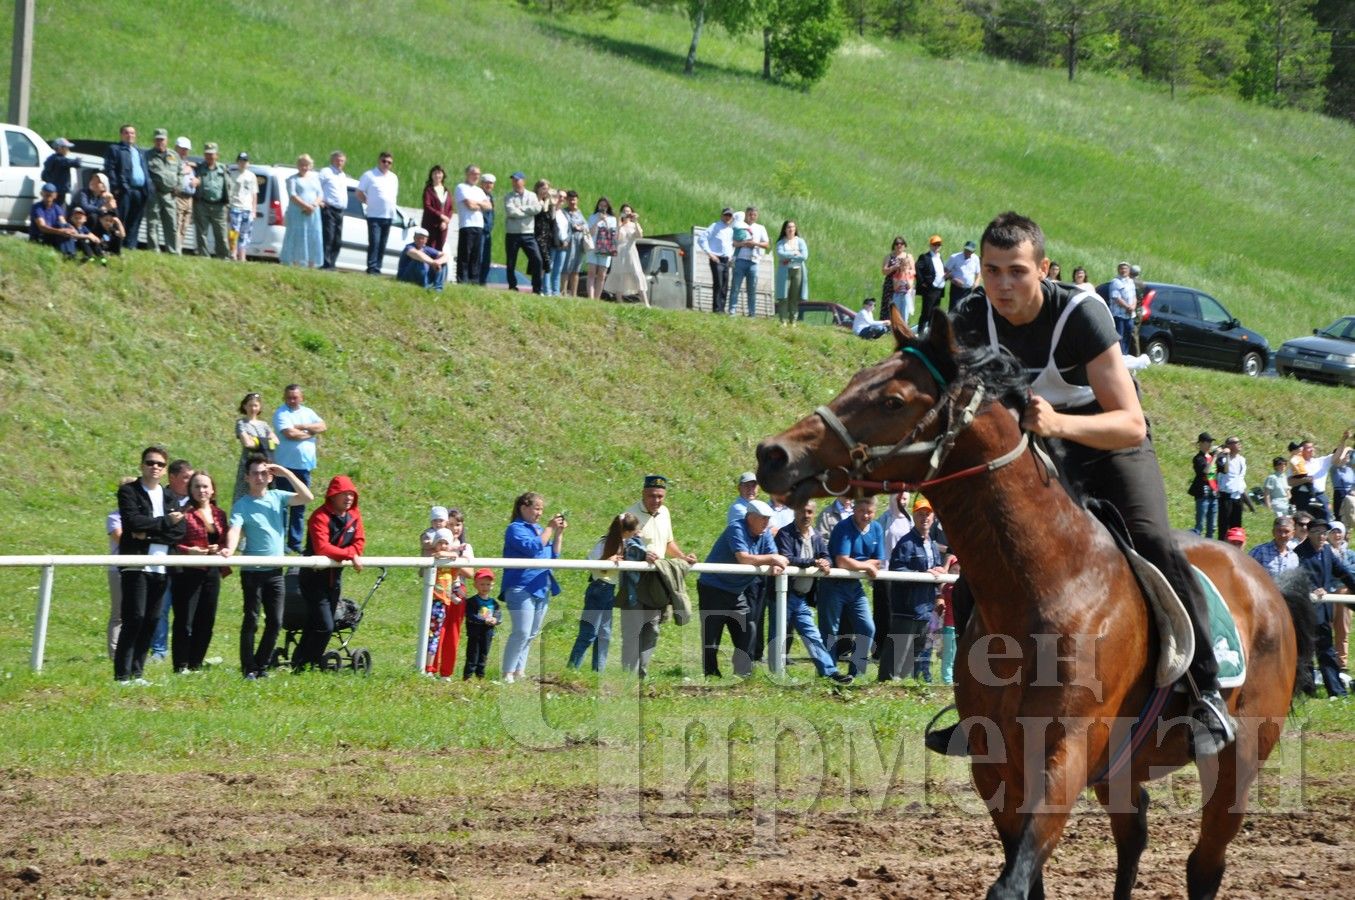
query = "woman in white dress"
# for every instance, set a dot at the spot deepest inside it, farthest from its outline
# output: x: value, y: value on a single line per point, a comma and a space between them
x: 626, y: 277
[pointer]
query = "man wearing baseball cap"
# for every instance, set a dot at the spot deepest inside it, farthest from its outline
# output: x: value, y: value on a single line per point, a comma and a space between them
x: 209, y: 205
x: 47, y: 223
x: 911, y: 604
x: 931, y: 279
x: 57, y: 168
x: 1326, y: 573
x: 187, y: 187
x: 721, y: 596
x: 520, y: 207
x: 166, y: 172
x: 421, y: 264
x: 640, y: 626
x: 1204, y: 486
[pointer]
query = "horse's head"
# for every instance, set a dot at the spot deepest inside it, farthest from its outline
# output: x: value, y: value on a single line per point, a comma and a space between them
x: 893, y: 422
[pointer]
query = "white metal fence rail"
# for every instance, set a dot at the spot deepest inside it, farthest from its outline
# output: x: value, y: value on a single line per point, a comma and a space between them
x: 776, y: 646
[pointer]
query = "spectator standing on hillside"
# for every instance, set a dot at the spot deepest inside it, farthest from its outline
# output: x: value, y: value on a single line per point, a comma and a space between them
x: 378, y: 191
x: 421, y: 264
x: 244, y: 203
x: 792, y: 272
x: 722, y: 596
x: 150, y: 526
x: 527, y: 592
x: 438, y: 208
x: 639, y: 625
x: 856, y: 544
x: 57, y: 169
x: 184, y: 191
x: 334, y: 190
x: 626, y: 277
x: 574, y: 252
x: 1342, y: 478
x: 129, y: 180
x: 210, y: 219
x: 335, y: 530
x: 543, y: 226
x: 1327, y: 573
x: 805, y: 548
x: 1123, y: 303
x: 1308, y: 476
x: 296, y: 426
x: 747, y: 254
x: 1232, y: 484
x: 472, y: 204
x: 519, y: 235
x: 487, y: 182
x: 47, y: 223
x: 717, y: 242
x: 303, y: 243
x: 166, y: 171
x: 1204, y: 486
x: 962, y: 271
x: 180, y: 473
x: 931, y: 280
x: 602, y: 233
x: 256, y: 437
x: 899, y: 270
x: 260, y: 519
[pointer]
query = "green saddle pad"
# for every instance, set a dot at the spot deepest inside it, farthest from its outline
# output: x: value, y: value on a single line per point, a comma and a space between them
x: 1227, y: 642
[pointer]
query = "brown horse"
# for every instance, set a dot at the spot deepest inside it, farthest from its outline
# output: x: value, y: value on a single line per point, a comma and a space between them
x: 1061, y: 647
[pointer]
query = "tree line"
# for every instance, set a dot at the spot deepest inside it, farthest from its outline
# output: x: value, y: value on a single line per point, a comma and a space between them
x: 1285, y: 53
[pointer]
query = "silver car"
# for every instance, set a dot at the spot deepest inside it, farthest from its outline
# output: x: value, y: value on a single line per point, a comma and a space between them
x: 1329, y: 355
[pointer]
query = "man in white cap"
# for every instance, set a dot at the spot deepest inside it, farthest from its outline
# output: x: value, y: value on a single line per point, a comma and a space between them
x: 722, y: 597
x: 187, y: 187
x: 421, y: 264
x: 57, y: 168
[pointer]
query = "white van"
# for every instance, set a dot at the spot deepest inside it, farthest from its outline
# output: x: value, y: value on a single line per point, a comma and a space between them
x: 22, y: 153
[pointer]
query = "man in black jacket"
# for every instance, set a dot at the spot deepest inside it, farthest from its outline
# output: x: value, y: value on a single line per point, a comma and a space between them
x: 931, y: 280
x: 1327, y: 573
x: 129, y: 179
x: 804, y: 547
x: 150, y: 526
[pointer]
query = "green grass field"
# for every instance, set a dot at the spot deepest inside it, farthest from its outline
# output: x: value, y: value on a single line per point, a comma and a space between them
x: 470, y: 398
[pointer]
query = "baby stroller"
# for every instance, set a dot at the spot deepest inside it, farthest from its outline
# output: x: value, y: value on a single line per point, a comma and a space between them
x: 347, y: 617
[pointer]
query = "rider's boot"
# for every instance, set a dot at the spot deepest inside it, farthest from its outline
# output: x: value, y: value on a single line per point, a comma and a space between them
x: 1212, y: 726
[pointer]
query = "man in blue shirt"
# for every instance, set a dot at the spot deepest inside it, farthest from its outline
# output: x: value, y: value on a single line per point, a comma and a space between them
x: 1277, y: 557
x: 911, y: 604
x: 721, y: 597
x: 260, y: 518
x: 421, y: 264
x: 857, y: 544
x: 296, y: 426
x: 47, y: 223
x: 129, y: 181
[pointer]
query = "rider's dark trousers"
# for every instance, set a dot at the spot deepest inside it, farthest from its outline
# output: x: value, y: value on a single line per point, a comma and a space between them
x: 1131, y: 481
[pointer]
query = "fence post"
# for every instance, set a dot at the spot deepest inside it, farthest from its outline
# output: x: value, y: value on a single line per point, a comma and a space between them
x: 776, y: 659
x: 40, y: 626
x: 430, y: 577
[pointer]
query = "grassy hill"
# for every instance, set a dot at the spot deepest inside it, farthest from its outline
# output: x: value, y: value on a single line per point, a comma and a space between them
x: 1247, y: 203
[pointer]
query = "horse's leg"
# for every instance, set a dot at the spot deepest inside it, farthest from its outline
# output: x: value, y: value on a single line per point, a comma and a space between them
x: 1029, y: 835
x: 1131, y: 837
x: 1222, y: 818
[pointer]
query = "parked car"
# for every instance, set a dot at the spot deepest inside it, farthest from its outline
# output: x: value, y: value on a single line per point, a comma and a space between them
x: 1186, y: 325
x: 1329, y: 355
x: 825, y: 312
x: 22, y: 153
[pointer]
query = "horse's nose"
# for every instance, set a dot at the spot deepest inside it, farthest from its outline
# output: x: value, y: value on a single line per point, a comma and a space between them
x: 771, y: 458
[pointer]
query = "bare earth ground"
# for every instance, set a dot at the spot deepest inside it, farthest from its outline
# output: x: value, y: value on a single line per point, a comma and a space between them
x: 351, y: 827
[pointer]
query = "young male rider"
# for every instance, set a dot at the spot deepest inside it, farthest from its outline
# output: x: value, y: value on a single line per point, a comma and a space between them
x: 1083, y: 395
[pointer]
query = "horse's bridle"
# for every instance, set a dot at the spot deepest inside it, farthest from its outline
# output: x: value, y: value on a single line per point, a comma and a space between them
x: 864, y: 457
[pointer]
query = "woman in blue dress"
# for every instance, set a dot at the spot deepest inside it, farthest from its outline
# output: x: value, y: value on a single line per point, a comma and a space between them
x: 303, y: 241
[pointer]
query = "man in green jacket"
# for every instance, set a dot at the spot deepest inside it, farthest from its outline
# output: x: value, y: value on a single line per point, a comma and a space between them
x: 209, y: 206
x: 166, y: 172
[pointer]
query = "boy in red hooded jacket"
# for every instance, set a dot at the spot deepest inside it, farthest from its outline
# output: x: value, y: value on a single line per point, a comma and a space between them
x: 335, y: 530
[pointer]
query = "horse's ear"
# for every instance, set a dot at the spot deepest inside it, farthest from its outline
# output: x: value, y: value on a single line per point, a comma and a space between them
x: 902, y: 333
x: 941, y: 336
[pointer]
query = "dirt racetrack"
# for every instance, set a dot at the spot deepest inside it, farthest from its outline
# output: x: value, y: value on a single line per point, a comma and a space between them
x: 358, y: 827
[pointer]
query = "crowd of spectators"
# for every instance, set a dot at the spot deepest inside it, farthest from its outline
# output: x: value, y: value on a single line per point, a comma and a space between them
x: 1312, y: 501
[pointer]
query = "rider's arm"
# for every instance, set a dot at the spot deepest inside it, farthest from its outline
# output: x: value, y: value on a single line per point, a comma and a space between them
x: 1120, y: 425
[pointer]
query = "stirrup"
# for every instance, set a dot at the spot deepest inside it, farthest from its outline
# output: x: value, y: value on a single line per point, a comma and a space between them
x: 1212, y: 727
x: 942, y: 740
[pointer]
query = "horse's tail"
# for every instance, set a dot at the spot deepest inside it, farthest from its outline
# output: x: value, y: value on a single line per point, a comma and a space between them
x: 1296, y: 588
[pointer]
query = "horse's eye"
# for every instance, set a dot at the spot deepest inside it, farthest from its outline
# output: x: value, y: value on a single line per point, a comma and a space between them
x: 893, y: 403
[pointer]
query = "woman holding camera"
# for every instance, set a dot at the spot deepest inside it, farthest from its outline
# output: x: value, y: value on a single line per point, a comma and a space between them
x: 527, y: 592
x: 626, y: 276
